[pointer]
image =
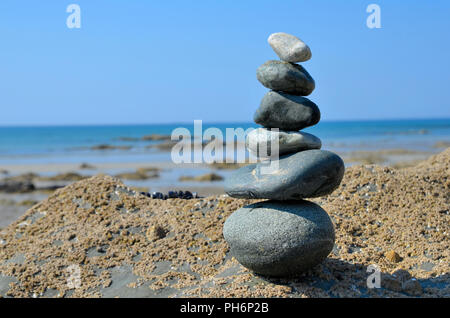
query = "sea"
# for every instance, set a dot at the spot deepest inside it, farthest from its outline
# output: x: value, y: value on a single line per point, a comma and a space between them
x: 73, y: 144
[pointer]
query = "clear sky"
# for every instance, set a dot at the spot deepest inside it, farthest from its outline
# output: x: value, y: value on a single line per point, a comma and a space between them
x: 141, y: 61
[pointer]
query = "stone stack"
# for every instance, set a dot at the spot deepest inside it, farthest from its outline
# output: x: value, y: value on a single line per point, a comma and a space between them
x: 284, y: 235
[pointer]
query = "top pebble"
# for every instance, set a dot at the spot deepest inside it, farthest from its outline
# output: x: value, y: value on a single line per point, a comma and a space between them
x: 289, y: 48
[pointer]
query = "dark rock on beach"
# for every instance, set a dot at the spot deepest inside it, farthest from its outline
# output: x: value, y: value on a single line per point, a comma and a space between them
x: 16, y: 186
x: 180, y: 195
x: 156, y: 137
x: 286, y: 112
x: 110, y: 147
x: 306, y: 174
x: 86, y: 166
x: 287, y: 77
x: 297, y: 236
x: 202, y: 178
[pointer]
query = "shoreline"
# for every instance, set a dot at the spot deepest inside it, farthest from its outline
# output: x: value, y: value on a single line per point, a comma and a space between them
x: 168, y: 176
x: 350, y: 156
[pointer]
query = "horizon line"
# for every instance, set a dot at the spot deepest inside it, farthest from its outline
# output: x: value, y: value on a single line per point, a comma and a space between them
x: 207, y: 122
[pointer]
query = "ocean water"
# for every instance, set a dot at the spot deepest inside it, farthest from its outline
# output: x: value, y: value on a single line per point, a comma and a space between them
x: 71, y: 144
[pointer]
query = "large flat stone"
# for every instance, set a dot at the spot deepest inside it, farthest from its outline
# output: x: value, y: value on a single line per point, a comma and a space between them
x: 306, y: 174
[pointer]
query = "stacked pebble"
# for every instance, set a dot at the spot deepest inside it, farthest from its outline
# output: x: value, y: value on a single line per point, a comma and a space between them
x: 285, y: 235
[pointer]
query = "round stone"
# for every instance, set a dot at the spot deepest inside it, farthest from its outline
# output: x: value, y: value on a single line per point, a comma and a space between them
x: 305, y: 174
x: 279, y: 238
x: 286, y: 112
x: 260, y: 141
x: 286, y: 77
x: 289, y: 48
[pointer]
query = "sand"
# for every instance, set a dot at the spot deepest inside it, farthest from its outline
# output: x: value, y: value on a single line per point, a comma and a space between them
x: 98, y: 238
x: 54, y: 175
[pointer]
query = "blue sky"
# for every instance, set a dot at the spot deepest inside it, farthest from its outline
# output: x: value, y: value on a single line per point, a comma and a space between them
x: 140, y: 61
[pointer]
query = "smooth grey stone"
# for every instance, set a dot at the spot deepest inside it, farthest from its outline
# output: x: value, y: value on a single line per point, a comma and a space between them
x: 305, y: 174
x: 286, y: 112
x: 288, y: 142
x: 276, y: 238
x: 289, y: 48
x: 286, y: 77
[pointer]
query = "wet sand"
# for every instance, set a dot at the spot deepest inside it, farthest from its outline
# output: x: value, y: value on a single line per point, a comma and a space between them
x: 98, y: 238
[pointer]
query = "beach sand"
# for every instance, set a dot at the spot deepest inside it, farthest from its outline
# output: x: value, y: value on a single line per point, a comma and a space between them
x: 98, y: 238
x: 13, y: 205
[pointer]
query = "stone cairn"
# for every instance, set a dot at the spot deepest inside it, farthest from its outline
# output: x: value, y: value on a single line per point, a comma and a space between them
x: 284, y: 235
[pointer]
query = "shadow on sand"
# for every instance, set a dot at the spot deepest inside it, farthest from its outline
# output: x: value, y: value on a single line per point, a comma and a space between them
x: 338, y: 278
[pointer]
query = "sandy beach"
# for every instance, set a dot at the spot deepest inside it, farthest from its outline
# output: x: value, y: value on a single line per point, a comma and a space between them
x: 166, y: 175
x: 126, y: 245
